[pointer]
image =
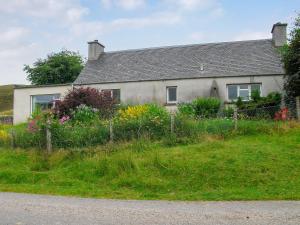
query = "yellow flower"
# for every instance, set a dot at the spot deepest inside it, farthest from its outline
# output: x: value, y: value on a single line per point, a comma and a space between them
x: 4, y: 137
x: 133, y: 112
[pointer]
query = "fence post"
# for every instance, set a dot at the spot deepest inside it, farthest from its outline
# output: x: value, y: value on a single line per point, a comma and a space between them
x: 282, y: 103
x: 13, y: 136
x: 111, y: 130
x: 172, y: 123
x: 48, y: 138
x: 235, y: 118
x: 298, y: 107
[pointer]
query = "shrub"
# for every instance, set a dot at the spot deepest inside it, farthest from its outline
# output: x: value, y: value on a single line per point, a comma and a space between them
x: 90, y: 97
x: 255, y: 95
x: 186, y: 109
x: 260, y: 107
x: 27, y: 139
x: 201, y: 107
x: 144, y: 120
x: 83, y: 114
x: 79, y: 134
x: 4, y: 137
x: 206, y: 107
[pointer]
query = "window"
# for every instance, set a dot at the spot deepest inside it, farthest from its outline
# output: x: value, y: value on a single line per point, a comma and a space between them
x: 44, y: 102
x: 171, y: 94
x: 115, y: 94
x: 242, y: 90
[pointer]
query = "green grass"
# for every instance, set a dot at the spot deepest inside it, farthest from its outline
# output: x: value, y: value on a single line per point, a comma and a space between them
x: 6, y: 99
x: 250, y: 167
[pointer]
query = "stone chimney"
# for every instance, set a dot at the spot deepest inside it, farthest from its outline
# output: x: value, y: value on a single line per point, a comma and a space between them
x: 279, y: 34
x: 95, y: 50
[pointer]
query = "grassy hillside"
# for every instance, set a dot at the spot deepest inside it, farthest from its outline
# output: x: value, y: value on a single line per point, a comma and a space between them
x: 242, y: 168
x: 6, y: 99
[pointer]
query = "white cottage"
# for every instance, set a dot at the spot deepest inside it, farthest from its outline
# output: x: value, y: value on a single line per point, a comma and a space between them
x: 170, y: 75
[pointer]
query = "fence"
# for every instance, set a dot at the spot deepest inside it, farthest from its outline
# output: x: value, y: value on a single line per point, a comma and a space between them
x: 248, y: 120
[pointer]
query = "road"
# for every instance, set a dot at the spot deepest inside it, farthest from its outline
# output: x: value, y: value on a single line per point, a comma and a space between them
x: 26, y: 209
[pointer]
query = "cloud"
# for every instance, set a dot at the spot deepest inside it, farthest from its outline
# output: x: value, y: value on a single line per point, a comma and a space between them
x: 193, y: 4
x: 75, y: 14
x: 94, y: 29
x: 60, y: 9
x: 161, y: 18
x: 12, y: 61
x: 124, y: 4
x: 12, y: 35
x: 252, y: 35
x: 197, y: 36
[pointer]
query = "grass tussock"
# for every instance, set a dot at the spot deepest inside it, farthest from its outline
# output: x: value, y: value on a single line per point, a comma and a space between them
x: 264, y: 166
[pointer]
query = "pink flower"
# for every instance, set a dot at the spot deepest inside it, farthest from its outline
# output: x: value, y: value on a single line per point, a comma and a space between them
x: 64, y: 119
x: 32, y: 126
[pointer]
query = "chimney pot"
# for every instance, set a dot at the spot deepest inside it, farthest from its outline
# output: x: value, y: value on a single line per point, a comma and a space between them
x: 95, y: 50
x: 279, y: 35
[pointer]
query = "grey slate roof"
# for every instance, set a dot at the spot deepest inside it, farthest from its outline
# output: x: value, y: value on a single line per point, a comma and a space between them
x: 242, y: 58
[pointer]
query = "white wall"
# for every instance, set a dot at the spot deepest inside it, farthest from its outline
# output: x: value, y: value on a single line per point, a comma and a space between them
x: 150, y: 91
x: 187, y: 89
x: 22, y: 99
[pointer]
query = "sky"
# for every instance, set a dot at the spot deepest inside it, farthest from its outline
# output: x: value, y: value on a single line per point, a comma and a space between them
x: 31, y: 29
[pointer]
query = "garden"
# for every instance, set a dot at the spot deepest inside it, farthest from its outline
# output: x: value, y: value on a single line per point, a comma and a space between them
x: 105, y: 150
x: 87, y: 117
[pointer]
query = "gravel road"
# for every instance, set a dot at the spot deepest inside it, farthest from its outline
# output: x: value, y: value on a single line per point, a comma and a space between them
x: 26, y: 209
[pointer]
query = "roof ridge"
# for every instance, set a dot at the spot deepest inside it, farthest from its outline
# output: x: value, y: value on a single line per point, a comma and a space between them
x: 186, y: 45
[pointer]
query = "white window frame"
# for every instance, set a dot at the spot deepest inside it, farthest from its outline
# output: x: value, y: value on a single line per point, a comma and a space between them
x: 31, y: 100
x: 171, y: 102
x: 238, y: 90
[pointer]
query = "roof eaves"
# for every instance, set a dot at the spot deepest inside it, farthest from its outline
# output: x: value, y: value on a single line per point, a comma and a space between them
x: 41, y: 86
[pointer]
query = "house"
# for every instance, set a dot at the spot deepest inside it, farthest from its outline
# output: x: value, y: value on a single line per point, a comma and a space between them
x: 170, y: 75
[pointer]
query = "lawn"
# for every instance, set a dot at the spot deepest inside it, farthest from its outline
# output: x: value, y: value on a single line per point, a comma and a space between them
x: 250, y: 167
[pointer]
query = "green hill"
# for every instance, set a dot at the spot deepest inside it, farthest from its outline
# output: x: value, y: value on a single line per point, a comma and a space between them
x: 6, y: 99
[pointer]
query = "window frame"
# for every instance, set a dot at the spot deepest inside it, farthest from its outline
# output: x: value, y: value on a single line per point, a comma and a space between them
x: 171, y: 102
x: 238, y: 90
x: 32, y: 96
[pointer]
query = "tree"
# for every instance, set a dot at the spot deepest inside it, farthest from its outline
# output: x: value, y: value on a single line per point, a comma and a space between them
x: 57, y: 68
x: 291, y: 59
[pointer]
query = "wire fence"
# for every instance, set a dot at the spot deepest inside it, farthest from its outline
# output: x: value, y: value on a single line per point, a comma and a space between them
x: 287, y: 110
x: 6, y: 119
x: 226, y: 121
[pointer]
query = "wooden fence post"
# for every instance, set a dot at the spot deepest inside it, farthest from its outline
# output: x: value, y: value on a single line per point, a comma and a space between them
x: 13, y: 137
x: 172, y: 122
x: 298, y: 107
x: 48, y: 138
x: 111, y: 130
x: 235, y: 118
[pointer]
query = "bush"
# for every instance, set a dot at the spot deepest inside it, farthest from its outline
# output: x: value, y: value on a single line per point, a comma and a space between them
x: 260, y: 107
x: 143, y: 120
x: 26, y: 138
x: 201, y: 108
x: 4, y: 138
x: 90, y: 97
x: 79, y: 134
x: 83, y: 114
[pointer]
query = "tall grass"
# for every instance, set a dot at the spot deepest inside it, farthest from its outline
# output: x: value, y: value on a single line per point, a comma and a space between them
x: 260, y: 166
x: 186, y: 130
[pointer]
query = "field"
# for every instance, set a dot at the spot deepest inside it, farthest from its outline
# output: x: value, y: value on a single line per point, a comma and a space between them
x: 6, y: 99
x: 249, y: 167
